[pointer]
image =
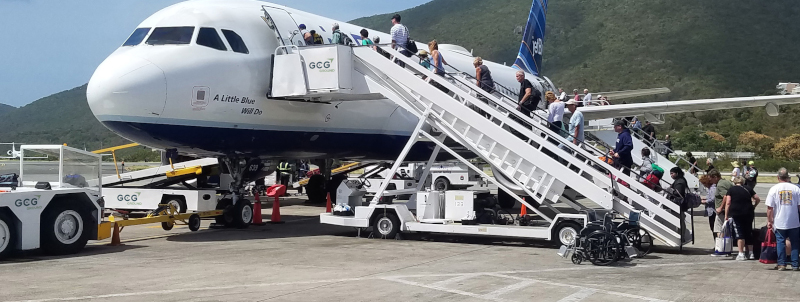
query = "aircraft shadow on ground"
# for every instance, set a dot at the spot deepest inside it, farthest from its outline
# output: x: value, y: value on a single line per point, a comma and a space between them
x: 88, y: 251
x: 294, y: 227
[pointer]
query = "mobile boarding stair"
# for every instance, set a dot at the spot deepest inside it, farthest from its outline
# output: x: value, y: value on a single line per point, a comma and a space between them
x: 537, y: 160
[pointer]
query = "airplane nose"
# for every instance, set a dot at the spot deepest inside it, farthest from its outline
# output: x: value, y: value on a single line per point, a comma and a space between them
x: 127, y: 86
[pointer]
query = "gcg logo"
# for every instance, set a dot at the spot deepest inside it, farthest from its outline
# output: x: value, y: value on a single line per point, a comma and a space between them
x: 27, y: 202
x: 132, y: 197
x: 321, y: 65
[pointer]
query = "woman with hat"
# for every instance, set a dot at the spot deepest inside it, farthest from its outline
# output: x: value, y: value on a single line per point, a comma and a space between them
x: 424, y: 60
x: 736, y: 171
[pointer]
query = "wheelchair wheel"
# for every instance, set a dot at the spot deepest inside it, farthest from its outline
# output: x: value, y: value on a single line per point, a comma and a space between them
x: 577, y: 258
x: 640, y: 239
x: 602, y: 248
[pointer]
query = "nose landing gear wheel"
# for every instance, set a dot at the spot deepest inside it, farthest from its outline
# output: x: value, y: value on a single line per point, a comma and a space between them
x: 242, y: 214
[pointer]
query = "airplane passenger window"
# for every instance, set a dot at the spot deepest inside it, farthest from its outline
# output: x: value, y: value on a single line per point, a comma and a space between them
x: 171, y: 35
x: 208, y: 37
x: 137, y: 36
x: 235, y: 41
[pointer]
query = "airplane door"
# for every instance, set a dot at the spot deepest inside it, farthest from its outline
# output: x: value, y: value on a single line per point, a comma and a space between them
x: 284, y: 25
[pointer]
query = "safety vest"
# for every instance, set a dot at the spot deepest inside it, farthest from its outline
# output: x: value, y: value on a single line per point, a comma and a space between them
x: 283, y: 166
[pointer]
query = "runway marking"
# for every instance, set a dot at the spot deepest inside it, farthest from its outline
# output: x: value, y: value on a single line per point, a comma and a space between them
x: 510, y: 288
x: 637, y: 297
x: 444, y: 289
x: 396, y: 279
x: 183, y: 290
x: 455, y: 279
x: 580, y: 295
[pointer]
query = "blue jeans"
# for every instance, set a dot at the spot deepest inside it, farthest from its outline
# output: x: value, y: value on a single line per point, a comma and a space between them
x: 794, y: 236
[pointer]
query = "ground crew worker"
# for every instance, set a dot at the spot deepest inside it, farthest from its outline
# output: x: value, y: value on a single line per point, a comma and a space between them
x: 283, y: 173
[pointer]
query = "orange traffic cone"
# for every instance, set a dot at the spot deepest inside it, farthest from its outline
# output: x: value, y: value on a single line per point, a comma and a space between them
x: 276, y: 211
x: 115, y: 236
x: 328, y: 206
x: 257, y: 219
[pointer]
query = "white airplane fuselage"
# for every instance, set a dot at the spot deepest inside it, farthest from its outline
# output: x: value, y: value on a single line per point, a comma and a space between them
x: 149, y: 93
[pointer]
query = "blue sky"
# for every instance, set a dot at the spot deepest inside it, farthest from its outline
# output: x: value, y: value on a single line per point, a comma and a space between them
x: 54, y: 45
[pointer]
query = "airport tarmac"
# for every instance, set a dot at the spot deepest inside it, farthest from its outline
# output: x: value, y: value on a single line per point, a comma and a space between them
x: 303, y: 260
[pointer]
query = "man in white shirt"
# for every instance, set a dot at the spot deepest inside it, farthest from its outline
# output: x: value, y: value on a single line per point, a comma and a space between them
x: 783, y: 204
x: 587, y: 97
x: 575, y: 123
x: 556, y: 116
x: 399, y: 34
x: 562, y: 96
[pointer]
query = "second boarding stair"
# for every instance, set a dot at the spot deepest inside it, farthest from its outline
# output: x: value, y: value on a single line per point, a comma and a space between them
x: 536, y: 159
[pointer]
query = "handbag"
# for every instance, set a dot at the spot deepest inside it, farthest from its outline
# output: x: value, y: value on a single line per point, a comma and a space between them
x: 769, y: 249
x: 724, y: 243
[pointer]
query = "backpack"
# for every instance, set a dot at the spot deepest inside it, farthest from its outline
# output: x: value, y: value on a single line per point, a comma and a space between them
x: 343, y: 39
x: 658, y: 171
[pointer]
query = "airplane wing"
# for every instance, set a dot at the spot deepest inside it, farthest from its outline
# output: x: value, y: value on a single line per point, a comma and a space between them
x: 652, y: 110
x: 626, y: 94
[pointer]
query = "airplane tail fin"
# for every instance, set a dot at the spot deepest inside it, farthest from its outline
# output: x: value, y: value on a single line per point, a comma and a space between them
x: 529, y: 58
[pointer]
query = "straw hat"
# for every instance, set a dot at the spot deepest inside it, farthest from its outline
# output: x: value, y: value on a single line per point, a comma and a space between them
x: 735, y: 164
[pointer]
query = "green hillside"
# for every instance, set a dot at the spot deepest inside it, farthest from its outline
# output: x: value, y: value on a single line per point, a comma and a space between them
x: 6, y: 108
x: 61, y: 118
x: 698, y: 49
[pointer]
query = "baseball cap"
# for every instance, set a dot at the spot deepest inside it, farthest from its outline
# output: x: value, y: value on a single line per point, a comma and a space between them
x: 301, y: 26
x: 620, y: 123
x: 751, y: 163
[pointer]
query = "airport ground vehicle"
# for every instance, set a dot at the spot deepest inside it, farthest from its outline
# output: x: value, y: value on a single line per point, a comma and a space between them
x: 57, y: 210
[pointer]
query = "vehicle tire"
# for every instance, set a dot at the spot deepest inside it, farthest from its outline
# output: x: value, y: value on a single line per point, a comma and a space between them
x: 8, y: 236
x: 565, y: 233
x: 315, y: 189
x: 179, y: 204
x: 505, y: 200
x: 194, y: 222
x: 441, y: 184
x: 242, y: 214
x: 65, y: 229
x: 387, y: 225
x: 167, y: 226
x: 225, y: 219
x: 640, y: 239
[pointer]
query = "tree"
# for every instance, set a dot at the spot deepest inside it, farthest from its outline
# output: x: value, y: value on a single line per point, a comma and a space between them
x: 755, y: 142
x: 788, y: 148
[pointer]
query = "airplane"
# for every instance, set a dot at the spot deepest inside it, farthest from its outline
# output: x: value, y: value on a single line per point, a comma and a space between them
x: 194, y: 78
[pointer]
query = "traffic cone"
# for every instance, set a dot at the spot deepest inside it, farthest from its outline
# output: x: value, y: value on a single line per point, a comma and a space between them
x: 115, y: 236
x: 328, y: 205
x: 257, y: 219
x: 276, y: 211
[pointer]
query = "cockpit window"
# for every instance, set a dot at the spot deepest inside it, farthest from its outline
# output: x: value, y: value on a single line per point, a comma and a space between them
x: 171, y: 35
x: 208, y: 37
x: 137, y: 36
x: 235, y: 41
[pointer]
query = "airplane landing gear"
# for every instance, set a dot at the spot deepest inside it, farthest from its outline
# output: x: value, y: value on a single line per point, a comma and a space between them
x: 238, y: 211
